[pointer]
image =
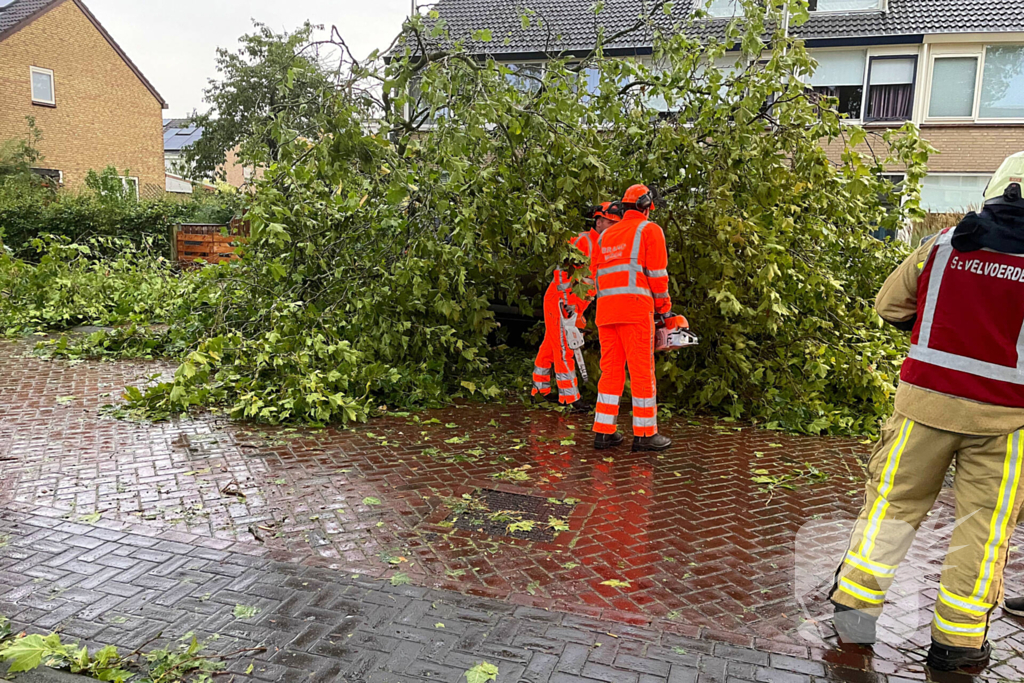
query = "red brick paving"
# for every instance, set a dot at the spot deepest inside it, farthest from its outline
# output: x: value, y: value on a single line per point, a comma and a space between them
x: 704, y: 549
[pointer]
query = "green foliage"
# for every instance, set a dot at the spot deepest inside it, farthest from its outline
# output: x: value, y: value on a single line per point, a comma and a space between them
x: 29, y: 652
x: 406, y: 203
x: 245, y: 611
x: 270, y: 75
x: 69, y: 285
x: 18, y: 156
x: 481, y: 673
x: 109, y: 210
x: 180, y: 664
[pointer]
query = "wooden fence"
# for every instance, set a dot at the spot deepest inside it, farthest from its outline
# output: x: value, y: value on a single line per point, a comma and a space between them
x: 210, y: 243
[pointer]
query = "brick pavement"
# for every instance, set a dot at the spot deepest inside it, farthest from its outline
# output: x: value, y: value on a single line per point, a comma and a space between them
x: 128, y: 585
x: 698, y: 548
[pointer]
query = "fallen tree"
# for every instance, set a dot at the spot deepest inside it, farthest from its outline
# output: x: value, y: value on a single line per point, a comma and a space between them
x: 435, y: 184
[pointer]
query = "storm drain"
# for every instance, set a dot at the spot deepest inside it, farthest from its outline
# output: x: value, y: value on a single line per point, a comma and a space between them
x: 498, y: 513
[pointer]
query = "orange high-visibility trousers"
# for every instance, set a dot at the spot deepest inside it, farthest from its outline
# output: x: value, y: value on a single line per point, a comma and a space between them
x: 632, y: 345
x: 555, y: 351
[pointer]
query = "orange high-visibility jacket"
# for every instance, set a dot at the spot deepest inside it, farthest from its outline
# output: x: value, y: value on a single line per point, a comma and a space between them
x: 629, y: 267
x: 585, y: 242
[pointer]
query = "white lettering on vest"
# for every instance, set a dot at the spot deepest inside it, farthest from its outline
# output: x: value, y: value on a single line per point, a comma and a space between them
x: 999, y: 271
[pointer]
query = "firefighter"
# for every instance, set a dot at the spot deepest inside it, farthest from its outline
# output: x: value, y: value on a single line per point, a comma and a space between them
x: 554, y: 350
x: 961, y: 396
x: 629, y: 268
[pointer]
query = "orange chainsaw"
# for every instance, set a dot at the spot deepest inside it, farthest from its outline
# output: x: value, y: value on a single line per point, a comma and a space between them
x: 672, y: 332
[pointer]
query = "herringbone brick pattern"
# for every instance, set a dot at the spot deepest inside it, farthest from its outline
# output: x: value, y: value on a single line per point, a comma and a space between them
x: 122, y: 587
x: 692, y: 545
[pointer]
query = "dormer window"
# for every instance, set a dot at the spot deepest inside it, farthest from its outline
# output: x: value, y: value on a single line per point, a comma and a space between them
x: 844, y: 5
x: 42, y: 87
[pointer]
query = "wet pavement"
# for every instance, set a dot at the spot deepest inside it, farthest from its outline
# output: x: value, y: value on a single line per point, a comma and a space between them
x: 729, y: 537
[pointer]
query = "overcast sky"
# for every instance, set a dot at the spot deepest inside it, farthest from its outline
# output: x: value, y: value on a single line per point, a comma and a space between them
x: 175, y: 43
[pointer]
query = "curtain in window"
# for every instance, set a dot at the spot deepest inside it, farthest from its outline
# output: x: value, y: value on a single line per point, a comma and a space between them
x: 891, y: 94
x: 891, y: 102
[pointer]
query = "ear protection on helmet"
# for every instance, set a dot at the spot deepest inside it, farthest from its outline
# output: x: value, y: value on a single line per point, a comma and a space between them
x: 645, y: 202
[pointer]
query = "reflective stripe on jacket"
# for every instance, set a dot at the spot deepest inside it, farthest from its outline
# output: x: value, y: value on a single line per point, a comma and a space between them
x: 629, y: 267
x: 968, y: 340
x: 585, y: 242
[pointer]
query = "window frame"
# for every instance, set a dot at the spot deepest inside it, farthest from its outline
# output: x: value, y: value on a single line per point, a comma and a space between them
x: 961, y: 54
x: 882, y: 6
x: 981, y: 54
x: 867, y: 89
x: 133, y: 181
x: 44, y: 173
x: 33, y: 70
x: 979, y: 58
x: 970, y: 174
x: 863, y: 79
x: 540, y: 63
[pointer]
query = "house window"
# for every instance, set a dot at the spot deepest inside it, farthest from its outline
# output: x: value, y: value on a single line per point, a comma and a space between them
x: 953, y: 83
x: 526, y: 78
x: 844, y: 5
x: 725, y: 8
x: 841, y: 75
x: 1002, y: 85
x: 51, y: 176
x: 891, y: 88
x: 953, y: 193
x: 132, y: 185
x: 985, y: 86
x: 42, y: 86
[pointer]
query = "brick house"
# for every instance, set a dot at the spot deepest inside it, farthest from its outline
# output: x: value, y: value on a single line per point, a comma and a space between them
x: 953, y: 67
x: 92, y: 105
x: 179, y: 134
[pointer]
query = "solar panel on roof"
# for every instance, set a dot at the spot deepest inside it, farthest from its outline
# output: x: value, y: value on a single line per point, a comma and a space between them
x: 5, y: 3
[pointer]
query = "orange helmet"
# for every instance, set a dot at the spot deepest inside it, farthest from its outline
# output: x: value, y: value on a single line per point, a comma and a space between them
x: 609, y: 210
x: 639, y: 196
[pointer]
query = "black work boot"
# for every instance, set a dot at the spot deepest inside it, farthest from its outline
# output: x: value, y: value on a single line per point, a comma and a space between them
x: 603, y: 441
x: 580, y: 407
x: 853, y: 625
x: 944, y: 658
x: 1014, y: 606
x: 658, y: 442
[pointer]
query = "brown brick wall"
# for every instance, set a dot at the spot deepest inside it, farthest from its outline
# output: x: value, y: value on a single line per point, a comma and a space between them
x: 962, y: 149
x: 104, y: 115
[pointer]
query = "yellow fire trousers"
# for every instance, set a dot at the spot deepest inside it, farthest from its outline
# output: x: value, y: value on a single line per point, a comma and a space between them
x: 905, y: 476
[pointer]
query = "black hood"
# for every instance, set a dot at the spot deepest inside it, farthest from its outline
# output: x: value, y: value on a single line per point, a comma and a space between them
x: 998, y: 227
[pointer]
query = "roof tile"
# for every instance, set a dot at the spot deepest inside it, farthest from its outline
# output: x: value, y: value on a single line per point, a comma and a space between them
x: 19, y: 10
x: 571, y: 25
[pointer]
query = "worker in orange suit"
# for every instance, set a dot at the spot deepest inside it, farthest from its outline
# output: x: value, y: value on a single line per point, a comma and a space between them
x: 629, y: 267
x: 558, y: 300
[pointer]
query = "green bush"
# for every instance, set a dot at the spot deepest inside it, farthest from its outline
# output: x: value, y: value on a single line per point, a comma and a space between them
x: 70, y: 284
x: 102, y: 209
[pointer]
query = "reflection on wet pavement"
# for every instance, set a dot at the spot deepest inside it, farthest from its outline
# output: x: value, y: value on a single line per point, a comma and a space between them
x: 505, y: 502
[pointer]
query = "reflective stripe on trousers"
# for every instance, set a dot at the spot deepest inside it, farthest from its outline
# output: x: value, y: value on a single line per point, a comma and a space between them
x: 627, y: 345
x: 606, y: 413
x: 907, y: 471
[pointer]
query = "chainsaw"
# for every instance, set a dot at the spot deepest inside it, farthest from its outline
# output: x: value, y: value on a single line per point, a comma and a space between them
x: 574, y: 338
x: 672, y: 332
